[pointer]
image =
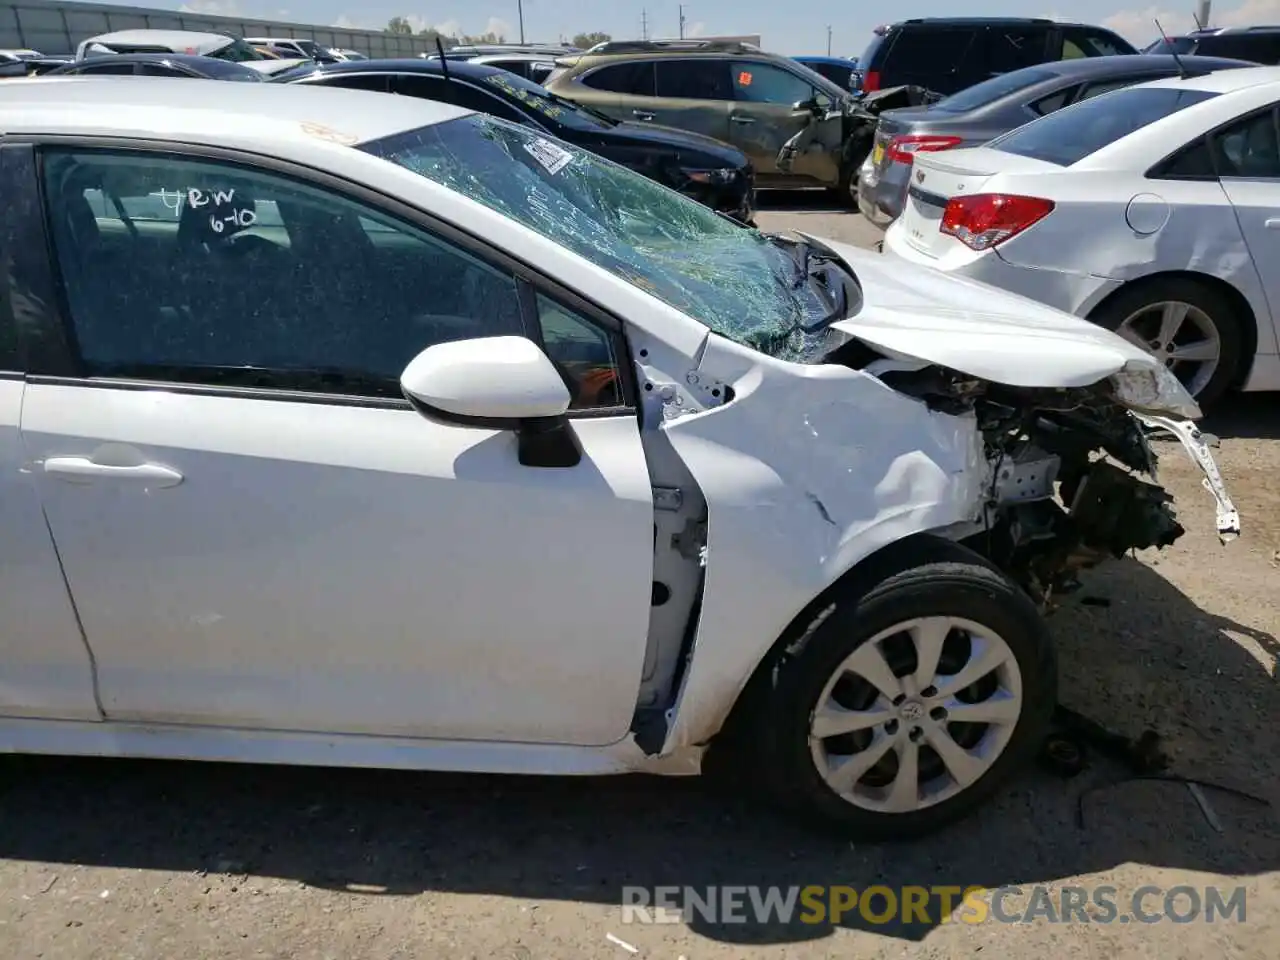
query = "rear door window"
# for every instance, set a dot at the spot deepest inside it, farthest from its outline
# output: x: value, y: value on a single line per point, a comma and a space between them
x: 161, y: 70
x: 1070, y: 135
x: 107, y: 69
x: 1009, y: 48
x: 1055, y: 101
x: 694, y: 80
x: 982, y: 94
x: 457, y: 93
x: 1094, y: 42
x: 374, y: 82
x: 1259, y: 48
x: 1106, y: 86
x: 634, y: 77
x: 944, y: 59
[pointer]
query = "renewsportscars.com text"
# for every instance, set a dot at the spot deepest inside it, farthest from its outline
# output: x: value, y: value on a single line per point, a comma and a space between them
x: 877, y: 905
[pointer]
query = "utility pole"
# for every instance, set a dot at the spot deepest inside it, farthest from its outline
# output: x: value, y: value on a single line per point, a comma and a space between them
x: 828, y: 40
x: 520, y: 11
x: 682, y: 21
x: 644, y: 24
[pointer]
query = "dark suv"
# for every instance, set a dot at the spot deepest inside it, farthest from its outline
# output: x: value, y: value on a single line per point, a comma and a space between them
x: 1259, y: 44
x: 946, y: 54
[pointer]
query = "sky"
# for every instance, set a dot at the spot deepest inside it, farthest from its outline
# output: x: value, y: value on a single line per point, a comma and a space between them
x: 794, y: 27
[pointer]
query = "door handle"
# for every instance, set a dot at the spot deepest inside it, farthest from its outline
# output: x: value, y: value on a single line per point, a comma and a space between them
x: 1273, y: 223
x: 84, y: 470
x: 642, y: 115
x: 742, y: 119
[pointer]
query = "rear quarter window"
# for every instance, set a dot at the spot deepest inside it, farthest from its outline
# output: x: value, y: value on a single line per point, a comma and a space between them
x: 1071, y: 134
x: 989, y: 91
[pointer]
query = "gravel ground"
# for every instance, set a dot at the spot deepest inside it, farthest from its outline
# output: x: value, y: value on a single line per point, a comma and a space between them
x: 118, y: 860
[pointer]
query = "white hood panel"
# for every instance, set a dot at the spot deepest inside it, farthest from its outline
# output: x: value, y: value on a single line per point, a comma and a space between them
x: 978, y: 329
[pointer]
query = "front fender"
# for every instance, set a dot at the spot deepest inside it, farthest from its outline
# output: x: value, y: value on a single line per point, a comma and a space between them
x: 809, y: 470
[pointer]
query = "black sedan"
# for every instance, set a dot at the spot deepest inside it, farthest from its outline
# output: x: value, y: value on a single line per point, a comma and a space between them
x: 158, y: 65
x: 705, y: 169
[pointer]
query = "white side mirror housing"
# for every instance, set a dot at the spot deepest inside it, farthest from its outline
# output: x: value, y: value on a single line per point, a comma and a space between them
x: 486, y: 378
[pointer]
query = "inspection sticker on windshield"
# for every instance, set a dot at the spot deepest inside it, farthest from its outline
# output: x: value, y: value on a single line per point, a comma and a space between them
x: 552, y: 158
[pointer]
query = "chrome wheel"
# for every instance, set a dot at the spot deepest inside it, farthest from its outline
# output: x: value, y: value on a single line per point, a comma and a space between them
x: 1182, y: 336
x: 916, y: 714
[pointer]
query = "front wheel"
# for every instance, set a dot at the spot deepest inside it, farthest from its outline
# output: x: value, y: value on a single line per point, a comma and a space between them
x: 912, y: 702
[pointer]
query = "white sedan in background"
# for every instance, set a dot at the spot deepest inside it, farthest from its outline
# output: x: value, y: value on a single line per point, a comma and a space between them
x: 1153, y: 211
x: 354, y: 429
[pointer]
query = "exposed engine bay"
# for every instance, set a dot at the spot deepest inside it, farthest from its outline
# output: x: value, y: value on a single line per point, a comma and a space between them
x: 1073, y: 474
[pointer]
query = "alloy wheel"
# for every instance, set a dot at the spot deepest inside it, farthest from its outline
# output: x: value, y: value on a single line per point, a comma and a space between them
x: 1181, y: 336
x: 916, y: 714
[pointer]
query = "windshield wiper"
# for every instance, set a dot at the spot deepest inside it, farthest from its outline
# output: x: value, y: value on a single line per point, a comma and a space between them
x: 581, y: 108
x: 813, y: 262
x: 800, y: 251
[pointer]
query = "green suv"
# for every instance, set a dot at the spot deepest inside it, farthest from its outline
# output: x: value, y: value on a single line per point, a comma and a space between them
x: 734, y: 92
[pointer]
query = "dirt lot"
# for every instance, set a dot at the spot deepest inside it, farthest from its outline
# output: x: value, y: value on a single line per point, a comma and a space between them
x: 118, y: 860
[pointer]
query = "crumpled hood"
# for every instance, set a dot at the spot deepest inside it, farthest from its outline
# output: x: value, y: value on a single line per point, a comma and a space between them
x: 919, y: 312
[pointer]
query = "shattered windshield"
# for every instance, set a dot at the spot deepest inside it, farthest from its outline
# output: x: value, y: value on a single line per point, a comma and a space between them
x: 741, y: 283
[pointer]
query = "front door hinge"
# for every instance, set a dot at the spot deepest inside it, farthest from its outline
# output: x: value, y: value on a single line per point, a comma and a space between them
x: 668, y: 499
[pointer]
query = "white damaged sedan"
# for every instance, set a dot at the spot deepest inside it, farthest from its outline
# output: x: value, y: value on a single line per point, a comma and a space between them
x: 349, y: 429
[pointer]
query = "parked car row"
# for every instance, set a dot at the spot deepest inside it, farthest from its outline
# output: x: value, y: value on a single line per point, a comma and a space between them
x: 1139, y: 192
x: 349, y: 428
x: 1152, y: 211
x: 709, y: 170
x: 717, y: 120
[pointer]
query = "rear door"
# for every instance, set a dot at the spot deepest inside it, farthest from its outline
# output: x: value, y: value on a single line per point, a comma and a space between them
x: 693, y: 94
x: 623, y: 90
x: 765, y: 115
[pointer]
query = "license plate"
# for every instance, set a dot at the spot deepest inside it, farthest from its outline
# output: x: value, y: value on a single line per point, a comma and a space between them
x: 877, y: 154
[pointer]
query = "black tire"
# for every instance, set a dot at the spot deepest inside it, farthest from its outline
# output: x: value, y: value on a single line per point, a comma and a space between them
x: 1219, y: 308
x: 923, y: 577
x: 845, y: 193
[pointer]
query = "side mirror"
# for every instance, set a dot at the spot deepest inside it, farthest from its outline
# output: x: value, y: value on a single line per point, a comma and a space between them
x: 501, y: 383
x: 810, y: 106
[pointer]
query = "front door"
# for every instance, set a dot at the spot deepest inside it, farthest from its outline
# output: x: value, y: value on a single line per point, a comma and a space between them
x: 770, y: 107
x: 260, y: 532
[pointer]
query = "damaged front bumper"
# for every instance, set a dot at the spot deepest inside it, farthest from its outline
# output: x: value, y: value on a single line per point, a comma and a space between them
x: 1192, y: 440
x: 1073, y: 476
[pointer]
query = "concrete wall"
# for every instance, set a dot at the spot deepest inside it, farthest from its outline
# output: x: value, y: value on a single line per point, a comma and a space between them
x: 58, y: 26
